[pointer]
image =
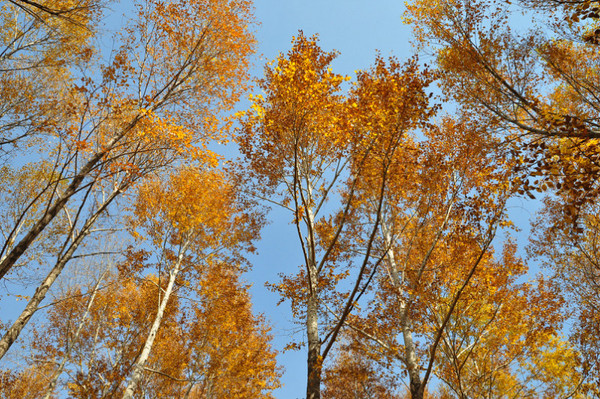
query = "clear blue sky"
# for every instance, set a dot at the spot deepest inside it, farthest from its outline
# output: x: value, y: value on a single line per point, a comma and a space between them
x: 357, y: 29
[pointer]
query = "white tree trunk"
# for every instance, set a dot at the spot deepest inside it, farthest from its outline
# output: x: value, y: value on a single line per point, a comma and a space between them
x: 138, y: 367
x: 410, y: 352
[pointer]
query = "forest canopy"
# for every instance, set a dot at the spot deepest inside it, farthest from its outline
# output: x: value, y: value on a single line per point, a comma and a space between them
x: 138, y: 179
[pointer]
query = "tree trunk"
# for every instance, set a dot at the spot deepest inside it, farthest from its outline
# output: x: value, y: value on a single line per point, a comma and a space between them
x: 314, y: 360
x: 416, y: 385
x: 417, y: 390
x: 410, y: 353
x: 313, y: 386
x: 138, y: 367
x: 40, y: 293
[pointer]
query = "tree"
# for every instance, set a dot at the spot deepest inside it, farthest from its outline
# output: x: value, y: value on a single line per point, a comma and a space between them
x: 499, y: 342
x: 503, y: 340
x: 570, y: 253
x: 211, y: 347
x: 307, y: 149
x: 193, y: 222
x: 537, y: 85
x: 109, y: 342
x: 155, y: 103
x: 445, y: 201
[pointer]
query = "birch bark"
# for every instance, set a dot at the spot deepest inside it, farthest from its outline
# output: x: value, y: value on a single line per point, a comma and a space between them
x: 138, y: 367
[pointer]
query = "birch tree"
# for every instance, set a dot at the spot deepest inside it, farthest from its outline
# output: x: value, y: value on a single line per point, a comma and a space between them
x: 155, y: 100
x: 175, y: 319
x: 307, y: 148
x: 153, y: 103
x: 193, y: 221
x: 445, y: 201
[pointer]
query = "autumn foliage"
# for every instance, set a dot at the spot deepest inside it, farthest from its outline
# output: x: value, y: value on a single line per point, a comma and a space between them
x: 214, y: 346
x: 127, y: 238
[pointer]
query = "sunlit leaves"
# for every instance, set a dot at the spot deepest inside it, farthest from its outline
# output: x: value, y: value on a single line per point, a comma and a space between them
x: 214, y: 344
x: 299, y: 117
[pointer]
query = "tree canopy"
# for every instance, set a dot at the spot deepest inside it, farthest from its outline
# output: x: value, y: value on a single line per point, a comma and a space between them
x: 128, y: 235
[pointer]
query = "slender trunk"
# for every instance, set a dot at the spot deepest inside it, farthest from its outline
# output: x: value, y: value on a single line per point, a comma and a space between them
x: 40, y: 293
x: 61, y: 201
x: 410, y: 352
x: 138, y: 367
x: 313, y: 387
x: 67, y: 355
x: 416, y: 385
x: 314, y: 360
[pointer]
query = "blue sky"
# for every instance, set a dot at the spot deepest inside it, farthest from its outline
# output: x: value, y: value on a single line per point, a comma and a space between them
x: 355, y: 28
